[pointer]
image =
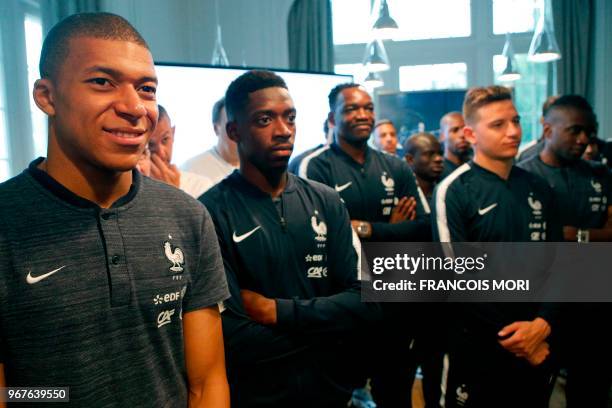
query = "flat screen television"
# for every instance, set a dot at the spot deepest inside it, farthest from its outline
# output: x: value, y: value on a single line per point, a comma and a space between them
x: 188, y: 92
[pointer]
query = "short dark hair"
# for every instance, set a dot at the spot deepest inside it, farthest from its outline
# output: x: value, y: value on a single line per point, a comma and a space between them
x: 547, y: 104
x: 216, y: 111
x: 410, y: 144
x: 162, y: 112
x: 381, y: 122
x: 105, y: 26
x: 237, y: 94
x: 476, y: 98
x: 333, y: 94
x: 576, y: 102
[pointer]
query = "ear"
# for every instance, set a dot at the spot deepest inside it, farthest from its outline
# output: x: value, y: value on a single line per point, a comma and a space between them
x: 231, y: 128
x: 409, y: 159
x: 546, y: 130
x: 43, y: 94
x: 470, y: 135
x: 331, y: 118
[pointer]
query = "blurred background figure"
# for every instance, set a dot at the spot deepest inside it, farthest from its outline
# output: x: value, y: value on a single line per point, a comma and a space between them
x: 457, y: 149
x: 160, y: 147
x: 217, y: 163
x: 385, y: 136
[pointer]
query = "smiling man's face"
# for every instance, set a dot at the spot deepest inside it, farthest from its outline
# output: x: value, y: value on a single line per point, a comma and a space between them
x: 103, y: 106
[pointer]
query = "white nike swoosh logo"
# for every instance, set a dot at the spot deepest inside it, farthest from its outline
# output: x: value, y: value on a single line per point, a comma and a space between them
x: 343, y: 187
x: 32, y: 280
x: 483, y: 211
x: 240, y: 238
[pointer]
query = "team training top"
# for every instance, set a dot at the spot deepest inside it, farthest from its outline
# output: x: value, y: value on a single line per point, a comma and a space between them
x: 93, y: 298
x: 371, y: 190
x: 582, y: 191
x: 299, y: 251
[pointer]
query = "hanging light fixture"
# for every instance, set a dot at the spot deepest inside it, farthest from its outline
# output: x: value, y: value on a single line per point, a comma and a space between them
x: 373, y: 80
x: 544, y: 47
x: 375, y: 58
x: 219, y: 57
x: 510, y: 72
x: 384, y: 27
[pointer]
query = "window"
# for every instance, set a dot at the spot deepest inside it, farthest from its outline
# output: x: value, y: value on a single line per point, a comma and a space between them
x: 34, y: 38
x: 513, y: 16
x: 530, y: 92
x: 352, y: 19
x: 358, y: 71
x: 436, y: 76
x: 4, y: 153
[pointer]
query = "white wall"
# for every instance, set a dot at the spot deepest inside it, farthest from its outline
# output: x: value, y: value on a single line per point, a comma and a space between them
x: 254, y: 31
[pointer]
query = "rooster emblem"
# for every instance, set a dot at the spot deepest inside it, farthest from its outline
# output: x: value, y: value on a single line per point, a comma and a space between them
x: 387, y: 182
x: 320, y: 228
x: 176, y: 257
x: 596, y: 186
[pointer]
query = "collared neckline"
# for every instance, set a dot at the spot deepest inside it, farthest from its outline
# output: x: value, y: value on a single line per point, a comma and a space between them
x: 61, y: 192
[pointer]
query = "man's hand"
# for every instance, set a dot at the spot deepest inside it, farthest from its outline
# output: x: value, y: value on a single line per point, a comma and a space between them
x: 539, y: 355
x: 163, y: 171
x: 258, y: 307
x: 525, y: 337
x: 570, y: 233
x: 404, y: 210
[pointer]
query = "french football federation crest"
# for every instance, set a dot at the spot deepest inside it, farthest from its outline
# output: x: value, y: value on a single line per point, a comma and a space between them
x: 536, y: 205
x: 320, y: 228
x: 388, y: 182
x: 596, y: 186
x: 175, y: 256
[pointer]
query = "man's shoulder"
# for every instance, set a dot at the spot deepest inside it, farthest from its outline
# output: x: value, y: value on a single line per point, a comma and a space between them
x: 154, y: 192
x: 196, y: 161
x: 216, y: 196
x: 320, y: 189
x: 532, y: 164
x: 16, y: 192
x: 459, y: 177
x: 533, y: 178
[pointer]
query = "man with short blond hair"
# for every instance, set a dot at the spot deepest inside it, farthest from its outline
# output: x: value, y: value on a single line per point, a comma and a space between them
x: 497, y: 349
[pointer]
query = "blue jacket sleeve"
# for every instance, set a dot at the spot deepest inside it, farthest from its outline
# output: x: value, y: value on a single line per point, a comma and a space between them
x: 343, y: 311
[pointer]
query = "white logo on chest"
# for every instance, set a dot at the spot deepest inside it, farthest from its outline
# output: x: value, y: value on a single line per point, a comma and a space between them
x: 596, y: 186
x: 387, y: 182
x: 35, y: 279
x: 483, y: 211
x: 240, y: 238
x: 175, y: 256
x: 342, y: 187
x: 320, y: 228
x: 536, y: 206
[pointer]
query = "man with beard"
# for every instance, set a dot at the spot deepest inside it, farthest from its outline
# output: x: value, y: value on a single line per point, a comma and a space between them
x: 457, y: 150
x: 290, y: 263
x: 584, y: 194
x: 424, y: 156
